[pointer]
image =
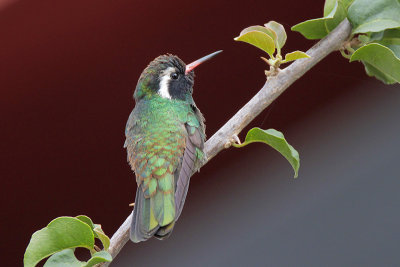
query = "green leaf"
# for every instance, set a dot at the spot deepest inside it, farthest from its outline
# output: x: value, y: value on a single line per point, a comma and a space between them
x: 294, y: 55
x: 64, y: 258
x: 317, y: 28
x: 335, y: 11
x: 374, y: 72
x: 276, y: 140
x: 260, y: 40
x: 105, y: 240
x: 265, y: 30
x: 60, y: 234
x: 374, y: 16
x: 329, y: 6
x: 387, y: 37
x: 67, y: 258
x: 382, y: 61
x: 279, y: 31
x: 86, y: 220
x: 339, y: 16
x: 97, y: 231
x: 98, y: 257
x: 395, y: 49
x: 392, y: 36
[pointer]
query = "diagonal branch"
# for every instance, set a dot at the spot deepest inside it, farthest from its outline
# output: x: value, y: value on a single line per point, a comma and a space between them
x: 273, y: 88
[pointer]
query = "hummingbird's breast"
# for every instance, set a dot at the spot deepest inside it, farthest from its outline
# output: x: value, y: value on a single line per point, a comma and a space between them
x: 160, y: 115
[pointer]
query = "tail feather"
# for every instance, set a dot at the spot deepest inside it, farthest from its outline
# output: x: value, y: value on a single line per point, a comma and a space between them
x: 163, y: 206
x: 152, y: 216
x: 142, y: 213
x: 165, y: 231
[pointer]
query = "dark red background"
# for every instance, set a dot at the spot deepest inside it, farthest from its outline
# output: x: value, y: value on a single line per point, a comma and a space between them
x: 67, y: 74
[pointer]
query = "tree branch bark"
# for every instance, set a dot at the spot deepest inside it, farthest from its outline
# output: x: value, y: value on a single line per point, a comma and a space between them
x: 273, y: 88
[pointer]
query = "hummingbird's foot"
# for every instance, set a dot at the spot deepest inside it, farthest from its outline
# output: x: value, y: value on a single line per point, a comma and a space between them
x: 132, y: 204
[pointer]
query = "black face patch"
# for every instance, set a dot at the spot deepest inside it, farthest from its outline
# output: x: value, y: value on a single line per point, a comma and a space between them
x: 181, y: 88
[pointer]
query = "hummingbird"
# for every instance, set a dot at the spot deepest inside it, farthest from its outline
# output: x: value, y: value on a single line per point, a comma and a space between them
x: 165, y: 136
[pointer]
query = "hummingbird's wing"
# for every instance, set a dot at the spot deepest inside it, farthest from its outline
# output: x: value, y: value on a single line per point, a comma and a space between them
x: 192, y: 158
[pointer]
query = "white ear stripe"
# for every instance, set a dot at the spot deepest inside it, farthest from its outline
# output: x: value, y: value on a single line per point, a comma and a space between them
x: 164, y: 83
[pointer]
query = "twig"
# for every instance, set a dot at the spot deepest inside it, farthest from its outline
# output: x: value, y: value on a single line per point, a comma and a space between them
x: 274, y: 86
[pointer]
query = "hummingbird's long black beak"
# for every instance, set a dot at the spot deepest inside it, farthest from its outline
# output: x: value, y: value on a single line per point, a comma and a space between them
x: 194, y: 64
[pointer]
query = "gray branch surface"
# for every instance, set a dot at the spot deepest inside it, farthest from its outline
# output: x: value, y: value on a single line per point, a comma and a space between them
x: 273, y: 88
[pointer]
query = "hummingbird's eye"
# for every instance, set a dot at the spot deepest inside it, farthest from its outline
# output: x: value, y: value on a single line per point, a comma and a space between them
x: 175, y: 76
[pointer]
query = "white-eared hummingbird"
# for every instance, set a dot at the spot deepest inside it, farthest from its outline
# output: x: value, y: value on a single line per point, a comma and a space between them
x: 165, y: 137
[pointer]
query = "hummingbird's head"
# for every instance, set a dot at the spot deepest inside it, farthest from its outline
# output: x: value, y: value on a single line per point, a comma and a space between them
x: 168, y: 77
